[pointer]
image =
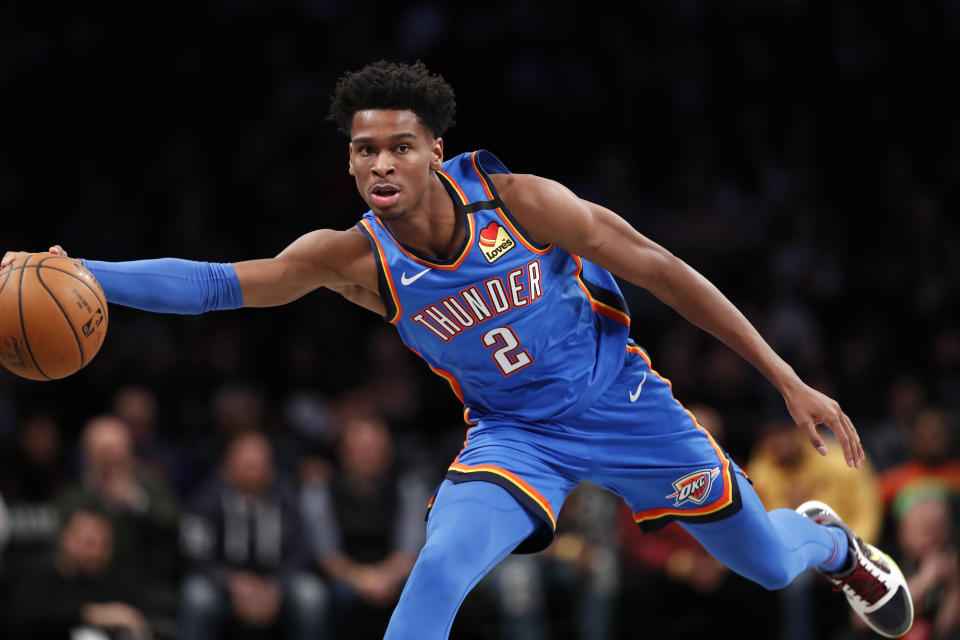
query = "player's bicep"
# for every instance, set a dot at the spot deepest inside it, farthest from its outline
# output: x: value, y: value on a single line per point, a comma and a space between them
x: 553, y: 214
x: 622, y: 250
x: 314, y: 260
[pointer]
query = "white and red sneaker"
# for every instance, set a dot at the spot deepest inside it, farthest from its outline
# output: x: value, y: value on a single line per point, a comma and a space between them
x: 874, y: 584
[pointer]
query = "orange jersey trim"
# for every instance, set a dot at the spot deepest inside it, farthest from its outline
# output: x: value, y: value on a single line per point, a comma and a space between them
x: 456, y: 187
x: 503, y: 216
x: 724, y: 500
x: 603, y: 309
x: 398, y: 313
x: 446, y: 375
x: 466, y: 418
x: 471, y: 233
x: 515, y: 480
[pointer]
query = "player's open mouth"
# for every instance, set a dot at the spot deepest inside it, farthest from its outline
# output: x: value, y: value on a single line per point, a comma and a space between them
x: 385, y: 195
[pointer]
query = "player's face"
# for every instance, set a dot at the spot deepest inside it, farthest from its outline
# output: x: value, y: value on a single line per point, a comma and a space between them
x: 392, y: 157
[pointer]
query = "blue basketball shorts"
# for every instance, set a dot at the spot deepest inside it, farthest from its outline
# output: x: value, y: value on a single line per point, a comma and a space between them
x: 636, y: 441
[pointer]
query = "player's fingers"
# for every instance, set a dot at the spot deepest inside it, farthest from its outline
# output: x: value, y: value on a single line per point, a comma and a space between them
x: 855, y: 437
x: 815, y: 439
x: 852, y: 438
x: 9, y: 257
x: 835, y: 422
x: 57, y: 250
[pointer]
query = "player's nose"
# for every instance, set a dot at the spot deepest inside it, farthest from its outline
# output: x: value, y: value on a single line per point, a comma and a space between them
x: 383, y: 166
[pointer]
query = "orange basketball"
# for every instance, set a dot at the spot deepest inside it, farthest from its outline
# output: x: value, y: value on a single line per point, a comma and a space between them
x: 53, y: 317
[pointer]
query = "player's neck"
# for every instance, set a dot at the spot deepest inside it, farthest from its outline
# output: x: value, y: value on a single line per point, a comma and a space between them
x: 432, y: 227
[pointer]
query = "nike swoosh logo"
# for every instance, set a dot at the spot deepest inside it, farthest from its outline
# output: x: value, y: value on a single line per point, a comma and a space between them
x: 404, y: 280
x: 634, y: 396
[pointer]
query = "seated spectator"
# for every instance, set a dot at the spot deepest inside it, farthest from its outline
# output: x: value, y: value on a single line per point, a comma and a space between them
x: 787, y: 471
x: 137, y: 407
x: 4, y: 527
x: 30, y: 478
x: 573, y: 583
x: 367, y: 527
x: 931, y: 456
x: 928, y: 558
x: 242, y: 538
x: 142, y: 511
x: 79, y: 590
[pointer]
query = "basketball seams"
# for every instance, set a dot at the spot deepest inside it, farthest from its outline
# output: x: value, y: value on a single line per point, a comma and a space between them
x: 100, y: 298
x: 3, y: 285
x: 23, y: 326
x: 66, y: 317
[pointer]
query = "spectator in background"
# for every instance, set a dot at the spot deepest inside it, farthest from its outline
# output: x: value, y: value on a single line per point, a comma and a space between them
x: 888, y: 440
x: 573, y: 583
x: 242, y: 537
x: 31, y: 476
x: 366, y: 526
x: 786, y: 473
x: 4, y: 527
x: 136, y: 406
x: 79, y: 589
x: 931, y: 456
x: 926, y: 538
x: 142, y: 511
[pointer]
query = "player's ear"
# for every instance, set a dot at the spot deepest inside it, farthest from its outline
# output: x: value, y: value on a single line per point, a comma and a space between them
x: 350, y: 160
x: 436, y: 154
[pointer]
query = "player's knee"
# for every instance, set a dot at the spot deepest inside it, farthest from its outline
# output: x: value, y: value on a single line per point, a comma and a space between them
x: 447, y: 554
x: 773, y: 576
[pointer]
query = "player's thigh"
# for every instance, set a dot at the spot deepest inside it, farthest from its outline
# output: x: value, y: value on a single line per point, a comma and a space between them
x: 536, y: 466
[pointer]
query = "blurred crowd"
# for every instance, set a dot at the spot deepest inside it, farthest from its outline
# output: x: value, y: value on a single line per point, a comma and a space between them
x: 264, y: 473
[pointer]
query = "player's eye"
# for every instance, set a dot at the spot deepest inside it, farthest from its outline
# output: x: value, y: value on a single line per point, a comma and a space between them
x: 365, y: 150
x: 403, y: 148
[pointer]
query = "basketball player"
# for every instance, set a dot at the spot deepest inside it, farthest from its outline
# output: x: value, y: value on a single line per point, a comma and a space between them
x: 503, y: 284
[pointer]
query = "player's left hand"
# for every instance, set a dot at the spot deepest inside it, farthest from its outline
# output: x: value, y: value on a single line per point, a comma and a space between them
x: 10, y: 257
x: 809, y: 407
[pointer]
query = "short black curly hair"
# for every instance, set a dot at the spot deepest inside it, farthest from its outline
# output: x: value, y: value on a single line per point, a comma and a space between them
x: 392, y: 85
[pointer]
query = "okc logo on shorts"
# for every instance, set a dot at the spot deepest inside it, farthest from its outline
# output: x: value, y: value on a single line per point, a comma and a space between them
x: 694, y: 487
x: 495, y: 241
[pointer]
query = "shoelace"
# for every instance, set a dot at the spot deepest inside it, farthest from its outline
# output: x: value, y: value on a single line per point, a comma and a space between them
x: 864, y: 583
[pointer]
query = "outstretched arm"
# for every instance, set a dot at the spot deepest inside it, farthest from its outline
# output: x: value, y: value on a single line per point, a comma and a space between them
x: 339, y: 260
x: 553, y: 214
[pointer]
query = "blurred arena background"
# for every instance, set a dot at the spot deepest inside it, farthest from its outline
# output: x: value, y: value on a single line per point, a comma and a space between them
x: 804, y: 155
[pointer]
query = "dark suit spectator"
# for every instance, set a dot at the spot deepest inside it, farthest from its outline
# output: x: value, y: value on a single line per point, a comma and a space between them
x: 143, y: 512
x: 367, y: 527
x: 242, y: 537
x: 79, y: 590
x: 137, y: 407
x: 31, y: 476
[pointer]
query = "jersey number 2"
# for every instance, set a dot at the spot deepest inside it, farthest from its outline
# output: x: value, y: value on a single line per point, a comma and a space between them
x: 508, y: 359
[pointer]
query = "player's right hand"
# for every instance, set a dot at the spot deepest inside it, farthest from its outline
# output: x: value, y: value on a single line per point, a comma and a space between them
x: 13, y: 256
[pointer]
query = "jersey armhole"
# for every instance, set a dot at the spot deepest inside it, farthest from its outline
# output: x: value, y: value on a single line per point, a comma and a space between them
x: 388, y: 291
x: 480, y: 161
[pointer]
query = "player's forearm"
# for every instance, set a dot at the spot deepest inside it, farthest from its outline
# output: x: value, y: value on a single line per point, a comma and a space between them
x: 169, y: 285
x: 699, y: 301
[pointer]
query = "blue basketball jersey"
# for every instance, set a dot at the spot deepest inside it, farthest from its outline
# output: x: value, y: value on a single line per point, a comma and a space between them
x: 516, y: 328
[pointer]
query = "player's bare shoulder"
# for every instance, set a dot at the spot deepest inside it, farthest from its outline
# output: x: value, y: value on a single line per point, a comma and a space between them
x: 539, y: 204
